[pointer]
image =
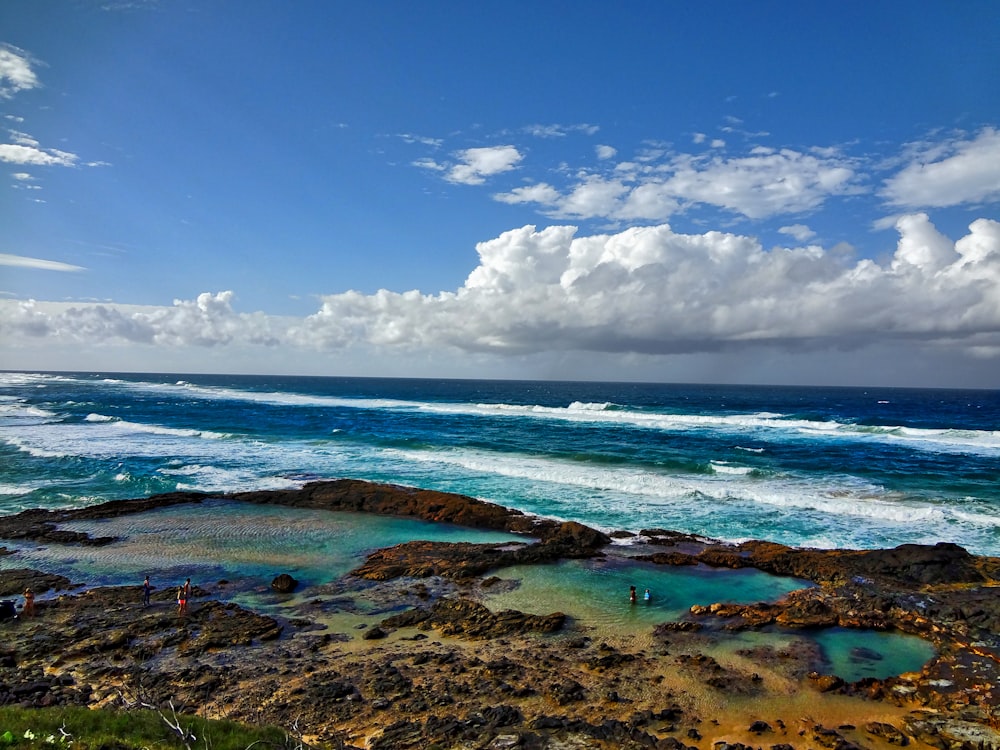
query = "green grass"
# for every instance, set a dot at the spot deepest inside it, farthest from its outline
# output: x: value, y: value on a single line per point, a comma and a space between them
x: 129, y: 730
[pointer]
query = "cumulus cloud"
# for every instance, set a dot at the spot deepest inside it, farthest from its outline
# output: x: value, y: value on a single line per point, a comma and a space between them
x: 21, y: 261
x: 762, y: 184
x: 16, y: 73
x: 799, y: 231
x: 949, y: 174
x: 476, y: 164
x: 653, y: 291
x: 644, y: 291
x: 207, y: 321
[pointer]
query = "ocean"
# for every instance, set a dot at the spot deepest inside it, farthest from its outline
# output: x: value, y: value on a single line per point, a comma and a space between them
x: 805, y: 466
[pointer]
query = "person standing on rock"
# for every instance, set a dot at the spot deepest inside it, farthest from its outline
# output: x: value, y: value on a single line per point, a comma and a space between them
x: 183, y: 593
x: 29, y: 603
x: 147, y: 589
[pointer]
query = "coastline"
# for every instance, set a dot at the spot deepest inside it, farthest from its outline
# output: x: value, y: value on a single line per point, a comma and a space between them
x: 448, y: 671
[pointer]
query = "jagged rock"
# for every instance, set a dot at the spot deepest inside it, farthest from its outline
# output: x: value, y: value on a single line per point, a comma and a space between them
x: 825, y: 682
x: 85, y: 648
x: 472, y: 619
x: 887, y: 732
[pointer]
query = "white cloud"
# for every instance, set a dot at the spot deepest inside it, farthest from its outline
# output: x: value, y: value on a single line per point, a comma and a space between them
x: 542, y: 193
x: 652, y: 291
x: 765, y: 183
x: 799, y: 231
x: 18, y: 154
x: 23, y: 139
x: 22, y: 176
x: 429, y: 164
x: 605, y: 152
x: 15, y: 71
x: 646, y: 291
x: 22, y: 261
x: 559, y: 131
x: 423, y: 140
x: 476, y: 164
x: 208, y: 321
x: 762, y: 184
x: 949, y: 174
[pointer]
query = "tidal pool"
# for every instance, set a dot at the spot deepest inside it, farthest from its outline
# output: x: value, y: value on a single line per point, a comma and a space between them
x: 250, y: 544
x: 229, y: 540
x: 597, y: 591
x: 856, y: 654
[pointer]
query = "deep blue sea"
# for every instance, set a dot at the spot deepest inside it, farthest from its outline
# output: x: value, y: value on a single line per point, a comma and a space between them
x: 820, y: 467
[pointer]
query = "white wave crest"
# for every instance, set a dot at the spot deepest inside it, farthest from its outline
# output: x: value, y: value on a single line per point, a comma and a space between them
x: 205, y: 478
x: 153, y: 429
x: 766, y: 426
x: 723, y: 467
x: 837, y: 496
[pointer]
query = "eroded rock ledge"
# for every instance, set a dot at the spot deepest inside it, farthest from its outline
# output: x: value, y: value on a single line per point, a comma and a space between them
x: 511, y: 689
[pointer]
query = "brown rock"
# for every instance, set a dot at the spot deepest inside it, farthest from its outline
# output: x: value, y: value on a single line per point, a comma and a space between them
x: 284, y: 584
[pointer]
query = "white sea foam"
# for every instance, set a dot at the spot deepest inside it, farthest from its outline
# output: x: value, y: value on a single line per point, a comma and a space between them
x: 11, y: 490
x: 723, y: 467
x: 102, y: 438
x: 762, y: 425
x: 204, y: 478
x: 836, y: 496
x: 154, y: 429
x: 21, y: 411
x: 98, y: 418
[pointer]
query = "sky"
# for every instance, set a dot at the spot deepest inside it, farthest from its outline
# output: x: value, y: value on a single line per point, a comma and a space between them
x: 767, y: 192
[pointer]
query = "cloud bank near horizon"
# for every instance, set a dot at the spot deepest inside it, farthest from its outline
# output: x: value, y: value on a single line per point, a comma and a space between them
x: 645, y: 290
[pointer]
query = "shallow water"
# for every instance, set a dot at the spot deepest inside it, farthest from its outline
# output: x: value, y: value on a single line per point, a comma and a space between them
x: 225, y: 540
x: 856, y: 654
x: 597, y: 591
x: 249, y: 544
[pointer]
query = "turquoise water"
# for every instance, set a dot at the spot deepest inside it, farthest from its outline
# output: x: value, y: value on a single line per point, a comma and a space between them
x: 233, y: 541
x: 856, y: 654
x: 818, y: 467
x: 597, y: 591
x: 248, y: 545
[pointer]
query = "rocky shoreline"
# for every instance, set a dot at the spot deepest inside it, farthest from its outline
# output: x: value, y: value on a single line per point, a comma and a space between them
x: 440, y: 669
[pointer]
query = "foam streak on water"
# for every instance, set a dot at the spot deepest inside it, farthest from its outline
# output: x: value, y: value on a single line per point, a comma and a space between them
x: 806, y: 466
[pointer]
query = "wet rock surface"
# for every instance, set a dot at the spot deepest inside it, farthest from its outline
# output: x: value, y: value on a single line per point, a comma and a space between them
x: 433, y: 666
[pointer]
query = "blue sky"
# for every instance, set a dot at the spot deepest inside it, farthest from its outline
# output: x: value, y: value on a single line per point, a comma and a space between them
x: 725, y: 192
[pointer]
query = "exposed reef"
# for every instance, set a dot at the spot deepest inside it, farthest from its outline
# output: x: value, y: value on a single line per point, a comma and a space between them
x: 437, y: 667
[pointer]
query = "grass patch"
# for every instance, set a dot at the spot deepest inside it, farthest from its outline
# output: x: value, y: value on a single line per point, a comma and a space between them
x: 128, y: 730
